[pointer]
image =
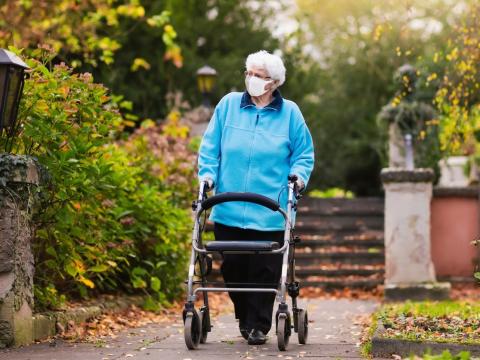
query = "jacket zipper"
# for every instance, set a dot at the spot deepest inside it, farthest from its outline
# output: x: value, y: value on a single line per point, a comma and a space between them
x: 249, y: 161
x: 251, y: 149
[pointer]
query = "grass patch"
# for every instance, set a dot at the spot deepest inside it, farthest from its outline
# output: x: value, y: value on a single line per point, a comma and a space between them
x: 462, y: 309
x: 444, y: 356
x: 366, y: 346
x: 444, y: 321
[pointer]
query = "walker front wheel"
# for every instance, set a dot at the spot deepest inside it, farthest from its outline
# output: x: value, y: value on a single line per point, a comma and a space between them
x: 302, y: 326
x: 283, y: 331
x: 205, y: 321
x: 192, y: 330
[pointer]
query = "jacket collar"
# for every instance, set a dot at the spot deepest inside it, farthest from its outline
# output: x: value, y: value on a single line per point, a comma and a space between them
x: 276, y: 104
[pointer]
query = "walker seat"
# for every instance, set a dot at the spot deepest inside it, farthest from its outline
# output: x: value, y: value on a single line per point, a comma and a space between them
x: 221, y: 246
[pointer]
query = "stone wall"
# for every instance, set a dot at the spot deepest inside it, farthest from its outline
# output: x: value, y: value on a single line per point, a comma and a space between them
x: 19, y: 179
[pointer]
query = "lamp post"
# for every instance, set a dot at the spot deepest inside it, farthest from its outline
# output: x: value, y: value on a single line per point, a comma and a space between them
x: 12, y: 78
x: 409, y: 160
x: 206, y: 77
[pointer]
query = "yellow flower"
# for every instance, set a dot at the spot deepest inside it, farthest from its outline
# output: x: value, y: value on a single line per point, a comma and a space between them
x: 140, y: 63
x: 377, y: 32
x: 431, y: 77
x: 453, y: 55
x: 86, y: 282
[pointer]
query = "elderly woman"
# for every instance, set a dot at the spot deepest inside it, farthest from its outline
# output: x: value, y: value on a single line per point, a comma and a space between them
x: 254, y: 140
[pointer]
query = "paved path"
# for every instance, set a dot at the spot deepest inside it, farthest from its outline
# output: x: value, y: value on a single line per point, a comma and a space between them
x: 333, y: 334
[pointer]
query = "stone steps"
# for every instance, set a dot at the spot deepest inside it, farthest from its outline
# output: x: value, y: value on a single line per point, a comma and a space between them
x: 342, y: 243
x: 353, y: 207
x: 343, y: 283
x: 339, y: 242
x: 362, y: 258
x: 337, y: 272
x: 333, y: 222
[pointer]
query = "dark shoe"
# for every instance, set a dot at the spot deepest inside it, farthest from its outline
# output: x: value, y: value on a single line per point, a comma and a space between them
x: 244, y: 331
x: 257, y: 337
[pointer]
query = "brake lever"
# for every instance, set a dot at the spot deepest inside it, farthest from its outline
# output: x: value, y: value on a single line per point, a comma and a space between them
x: 202, y: 195
x: 298, y: 195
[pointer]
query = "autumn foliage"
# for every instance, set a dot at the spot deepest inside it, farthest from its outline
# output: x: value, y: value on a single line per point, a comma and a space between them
x: 87, y: 31
x: 115, y: 215
x: 458, y: 98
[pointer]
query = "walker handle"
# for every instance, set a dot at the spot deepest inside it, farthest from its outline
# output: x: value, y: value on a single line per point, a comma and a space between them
x: 292, y: 178
x: 240, y: 196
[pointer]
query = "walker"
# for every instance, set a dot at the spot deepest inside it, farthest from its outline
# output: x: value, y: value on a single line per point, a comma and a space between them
x: 197, y: 322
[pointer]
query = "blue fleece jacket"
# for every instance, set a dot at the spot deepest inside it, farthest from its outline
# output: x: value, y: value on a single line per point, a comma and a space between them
x: 247, y: 149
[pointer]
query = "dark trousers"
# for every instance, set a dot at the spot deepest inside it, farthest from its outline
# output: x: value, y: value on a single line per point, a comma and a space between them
x: 253, y: 310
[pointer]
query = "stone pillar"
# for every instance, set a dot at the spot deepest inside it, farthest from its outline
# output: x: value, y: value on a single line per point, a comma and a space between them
x: 19, y: 177
x: 409, y: 270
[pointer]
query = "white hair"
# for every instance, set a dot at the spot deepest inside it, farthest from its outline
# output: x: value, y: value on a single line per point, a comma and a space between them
x: 272, y: 64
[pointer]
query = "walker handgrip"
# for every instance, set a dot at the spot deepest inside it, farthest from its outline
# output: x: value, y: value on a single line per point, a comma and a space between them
x: 238, y: 196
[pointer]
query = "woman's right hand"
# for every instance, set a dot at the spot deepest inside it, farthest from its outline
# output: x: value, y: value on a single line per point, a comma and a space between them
x: 209, y: 184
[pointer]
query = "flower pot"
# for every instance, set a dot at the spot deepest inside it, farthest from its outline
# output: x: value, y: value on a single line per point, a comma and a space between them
x: 452, y: 172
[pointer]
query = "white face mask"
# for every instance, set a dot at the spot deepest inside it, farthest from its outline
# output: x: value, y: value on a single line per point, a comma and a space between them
x: 256, y: 86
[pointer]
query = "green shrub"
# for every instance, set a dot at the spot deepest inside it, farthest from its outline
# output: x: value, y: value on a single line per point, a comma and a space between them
x: 331, y: 193
x: 114, y: 217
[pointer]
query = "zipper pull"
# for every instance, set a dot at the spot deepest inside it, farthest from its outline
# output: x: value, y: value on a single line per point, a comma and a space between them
x: 256, y: 122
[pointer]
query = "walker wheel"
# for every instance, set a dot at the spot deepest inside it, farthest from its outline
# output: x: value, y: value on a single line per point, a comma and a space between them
x: 283, y: 331
x: 302, y: 326
x: 204, y: 321
x: 192, y: 332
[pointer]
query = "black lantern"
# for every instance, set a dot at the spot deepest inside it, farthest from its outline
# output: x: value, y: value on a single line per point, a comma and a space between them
x: 11, y: 85
x: 206, y: 77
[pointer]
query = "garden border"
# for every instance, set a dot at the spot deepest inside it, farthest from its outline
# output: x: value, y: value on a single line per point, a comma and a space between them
x: 51, y: 323
x: 382, y: 347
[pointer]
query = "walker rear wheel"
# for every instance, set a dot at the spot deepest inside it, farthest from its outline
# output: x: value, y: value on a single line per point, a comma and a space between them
x: 192, y: 330
x: 283, y: 331
x: 302, y: 326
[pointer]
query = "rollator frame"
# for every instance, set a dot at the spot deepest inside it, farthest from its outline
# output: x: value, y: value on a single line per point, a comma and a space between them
x: 197, y: 323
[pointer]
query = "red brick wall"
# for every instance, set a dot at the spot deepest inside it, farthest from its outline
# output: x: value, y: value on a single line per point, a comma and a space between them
x: 454, y: 225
